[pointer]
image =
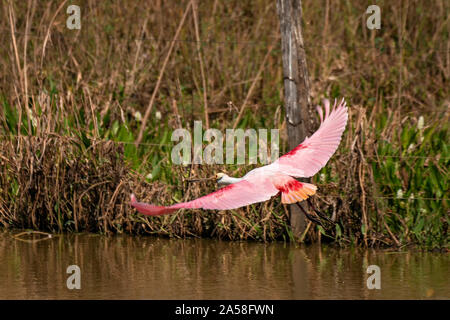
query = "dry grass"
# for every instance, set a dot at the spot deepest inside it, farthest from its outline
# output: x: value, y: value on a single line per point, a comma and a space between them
x: 58, y: 184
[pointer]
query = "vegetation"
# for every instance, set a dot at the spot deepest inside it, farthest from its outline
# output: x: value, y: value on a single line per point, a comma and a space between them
x: 74, y: 101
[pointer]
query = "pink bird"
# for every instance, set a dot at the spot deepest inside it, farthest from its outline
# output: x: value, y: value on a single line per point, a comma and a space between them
x: 262, y: 183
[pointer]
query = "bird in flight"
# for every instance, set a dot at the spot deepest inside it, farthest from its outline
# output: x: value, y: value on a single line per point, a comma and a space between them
x: 262, y: 183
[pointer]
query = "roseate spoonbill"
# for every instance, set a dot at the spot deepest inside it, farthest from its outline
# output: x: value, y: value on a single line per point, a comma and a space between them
x: 262, y: 183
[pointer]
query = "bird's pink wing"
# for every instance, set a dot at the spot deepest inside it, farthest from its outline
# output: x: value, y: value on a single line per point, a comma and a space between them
x: 233, y: 196
x: 312, y: 154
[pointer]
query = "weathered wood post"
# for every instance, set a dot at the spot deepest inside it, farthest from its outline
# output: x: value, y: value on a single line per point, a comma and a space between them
x: 296, y: 87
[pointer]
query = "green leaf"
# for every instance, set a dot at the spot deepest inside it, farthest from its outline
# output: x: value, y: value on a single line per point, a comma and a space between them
x: 338, y: 231
x: 419, y: 226
x: 156, y: 172
x: 363, y: 229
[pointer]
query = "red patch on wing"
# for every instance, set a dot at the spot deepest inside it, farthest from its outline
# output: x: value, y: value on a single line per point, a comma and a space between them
x: 293, y: 151
x: 290, y: 186
x: 295, y: 191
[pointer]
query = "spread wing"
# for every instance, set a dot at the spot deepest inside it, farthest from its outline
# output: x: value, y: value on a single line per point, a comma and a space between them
x: 312, y: 154
x: 233, y: 196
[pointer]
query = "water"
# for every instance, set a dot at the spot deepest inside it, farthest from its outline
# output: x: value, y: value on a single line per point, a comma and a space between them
x: 123, y: 267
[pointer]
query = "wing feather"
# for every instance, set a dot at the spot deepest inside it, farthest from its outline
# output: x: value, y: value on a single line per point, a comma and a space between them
x: 252, y: 190
x: 233, y: 196
x: 313, y: 154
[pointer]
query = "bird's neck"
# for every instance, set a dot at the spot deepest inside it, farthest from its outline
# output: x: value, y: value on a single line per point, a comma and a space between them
x: 229, y: 180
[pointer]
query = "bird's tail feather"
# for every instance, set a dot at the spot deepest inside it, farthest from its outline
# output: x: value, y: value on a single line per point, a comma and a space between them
x: 297, y: 192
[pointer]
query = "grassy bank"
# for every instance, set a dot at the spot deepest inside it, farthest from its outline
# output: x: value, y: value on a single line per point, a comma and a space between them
x: 73, y: 103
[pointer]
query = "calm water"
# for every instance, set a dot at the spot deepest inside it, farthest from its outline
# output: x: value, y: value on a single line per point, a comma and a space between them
x: 124, y: 267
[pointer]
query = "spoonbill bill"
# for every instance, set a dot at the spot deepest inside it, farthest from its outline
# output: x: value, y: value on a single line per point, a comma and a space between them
x: 262, y: 183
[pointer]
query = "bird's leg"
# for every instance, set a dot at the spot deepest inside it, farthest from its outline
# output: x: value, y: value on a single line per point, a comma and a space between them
x: 320, y: 214
x: 310, y: 216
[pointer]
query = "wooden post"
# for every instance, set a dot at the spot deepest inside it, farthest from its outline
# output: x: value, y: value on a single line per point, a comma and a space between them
x: 296, y: 88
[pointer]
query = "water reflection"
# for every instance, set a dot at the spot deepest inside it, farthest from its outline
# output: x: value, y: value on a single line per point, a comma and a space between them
x: 123, y: 267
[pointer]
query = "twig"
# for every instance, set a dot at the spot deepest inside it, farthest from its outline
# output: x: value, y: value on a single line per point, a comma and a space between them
x: 18, y: 236
x: 389, y: 231
x: 47, y: 35
x: 252, y: 87
x: 161, y: 73
x: 197, y: 36
x: 302, y: 238
x: 130, y: 81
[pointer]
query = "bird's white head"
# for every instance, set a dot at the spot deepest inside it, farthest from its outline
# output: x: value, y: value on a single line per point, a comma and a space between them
x: 221, y: 177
